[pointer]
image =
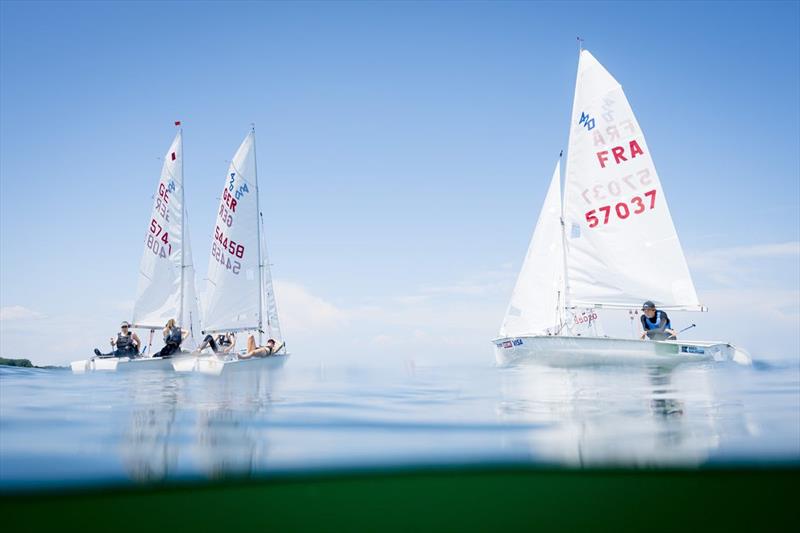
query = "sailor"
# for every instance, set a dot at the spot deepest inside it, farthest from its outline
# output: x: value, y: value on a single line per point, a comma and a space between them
x: 655, y: 324
x: 126, y: 344
x: 173, y: 337
x: 223, y: 343
x: 259, y: 351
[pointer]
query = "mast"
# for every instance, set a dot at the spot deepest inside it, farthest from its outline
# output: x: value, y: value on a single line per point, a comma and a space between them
x: 183, y: 223
x: 260, y: 258
x: 564, y: 193
x: 564, y: 248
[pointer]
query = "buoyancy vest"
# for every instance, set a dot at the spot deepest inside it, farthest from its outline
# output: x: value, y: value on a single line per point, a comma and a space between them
x: 125, y: 342
x: 174, y: 336
x: 223, y: 340
x: 656, y: 320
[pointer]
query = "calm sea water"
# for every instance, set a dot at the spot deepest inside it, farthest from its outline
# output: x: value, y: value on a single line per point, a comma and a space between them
x: 60, y: 429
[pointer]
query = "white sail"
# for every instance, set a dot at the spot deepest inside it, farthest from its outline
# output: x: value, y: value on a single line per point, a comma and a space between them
x: 190, y: 320
x: 270, y: 313
x: 159, y: 288
x: 622, y: 248
x: 537, y: 301
x: 233, y: 298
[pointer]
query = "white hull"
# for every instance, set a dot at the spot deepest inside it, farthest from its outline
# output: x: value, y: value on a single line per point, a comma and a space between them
x: 583, y: 351
x: 122, y: 364
x: 215, y: 365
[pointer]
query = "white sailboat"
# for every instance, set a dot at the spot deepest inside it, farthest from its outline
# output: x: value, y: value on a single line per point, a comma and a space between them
x: 611, y: 245
x: 166, y: 273
x: 240, y: 297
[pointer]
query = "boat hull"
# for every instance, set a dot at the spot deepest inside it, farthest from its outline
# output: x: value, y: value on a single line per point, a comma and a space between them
x: 122, y: 364
x: 216, y: 366
x: 586, y: 351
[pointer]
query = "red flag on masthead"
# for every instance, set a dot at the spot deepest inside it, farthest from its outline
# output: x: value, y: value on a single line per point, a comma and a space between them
x: 177, y: 122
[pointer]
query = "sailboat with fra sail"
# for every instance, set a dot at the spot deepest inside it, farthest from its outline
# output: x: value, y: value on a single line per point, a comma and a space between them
x: 611, y: 244
x: 166, y: 287
x: 240, y: 298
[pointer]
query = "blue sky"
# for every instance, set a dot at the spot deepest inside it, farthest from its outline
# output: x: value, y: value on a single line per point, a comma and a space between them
x: 404, y: 152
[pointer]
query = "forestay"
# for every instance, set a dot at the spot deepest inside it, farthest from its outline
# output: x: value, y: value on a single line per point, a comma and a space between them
x: 233, y: 297
x: 537, y: 301
x: 622, y: 248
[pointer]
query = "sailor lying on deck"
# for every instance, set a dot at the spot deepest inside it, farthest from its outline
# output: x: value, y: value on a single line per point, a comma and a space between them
x: 173, y: 337
x: 222, y: 344
x: 126, y: 344
x: 656, y: 324
x: 259, y: 351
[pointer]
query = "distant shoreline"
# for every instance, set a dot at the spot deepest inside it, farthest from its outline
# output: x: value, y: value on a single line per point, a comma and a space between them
x: 24, y: 363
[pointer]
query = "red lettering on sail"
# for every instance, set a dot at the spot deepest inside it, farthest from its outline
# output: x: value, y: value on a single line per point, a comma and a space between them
x: 636, y: 149
x: 619, y: 153
x: 602, y: 157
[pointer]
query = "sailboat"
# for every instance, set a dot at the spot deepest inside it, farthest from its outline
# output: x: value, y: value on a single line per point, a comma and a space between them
x: 611, y: 244
x: 240, y: 298
x: 166, y: 286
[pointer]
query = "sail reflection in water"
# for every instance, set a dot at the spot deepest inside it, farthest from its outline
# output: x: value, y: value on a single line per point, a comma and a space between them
x: 59, y: 428
x: 228, y: 440
x: 147, y: 451
x: 218, y: 436
x: 613, y: 416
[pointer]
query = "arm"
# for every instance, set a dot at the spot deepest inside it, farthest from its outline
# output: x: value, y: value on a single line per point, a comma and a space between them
x: 232, y: 338
x: 184, y: 334
x: 136, y: 340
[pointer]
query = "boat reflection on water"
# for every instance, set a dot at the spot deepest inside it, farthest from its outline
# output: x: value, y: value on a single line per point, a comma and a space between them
x: 147, y: 452
x: 190, y: 425
x: 609, y: 416
x: 232, y: 426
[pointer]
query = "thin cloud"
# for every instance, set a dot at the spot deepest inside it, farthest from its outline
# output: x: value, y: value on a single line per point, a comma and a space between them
x: 735, y: 265
x: 18, y: 312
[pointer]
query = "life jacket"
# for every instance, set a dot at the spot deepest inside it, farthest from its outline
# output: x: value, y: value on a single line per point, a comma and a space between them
x: 174, y: 336
x: 223, y: 340
x: 656, y: 320
x: 125, y: 342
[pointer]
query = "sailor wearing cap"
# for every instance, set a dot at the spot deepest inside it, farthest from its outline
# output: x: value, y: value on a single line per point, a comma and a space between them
x: 126, y: 344
x: 655, y: 324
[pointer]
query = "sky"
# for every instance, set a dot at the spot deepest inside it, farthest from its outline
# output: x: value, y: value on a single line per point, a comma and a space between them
x: 404, y: 151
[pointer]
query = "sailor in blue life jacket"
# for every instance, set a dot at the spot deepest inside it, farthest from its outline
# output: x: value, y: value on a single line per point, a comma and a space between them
x: 126, y: 343
x: 222, y: 344
x: 655, y: 324
x: 173, y: 337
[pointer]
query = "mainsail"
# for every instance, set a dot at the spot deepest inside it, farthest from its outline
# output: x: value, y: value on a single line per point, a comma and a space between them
x: 166, y: 273
x: 537, y: 303
x: 240, y: 295
x: 622, y: 248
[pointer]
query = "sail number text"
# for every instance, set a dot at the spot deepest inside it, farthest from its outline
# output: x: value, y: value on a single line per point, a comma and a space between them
x: 228, y: 245
x: 638, y: 205
x: 219, y: 256
x: 615, y: 188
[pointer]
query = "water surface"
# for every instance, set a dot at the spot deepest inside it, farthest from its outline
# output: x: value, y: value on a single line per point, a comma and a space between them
x: 60, y: 429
